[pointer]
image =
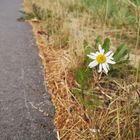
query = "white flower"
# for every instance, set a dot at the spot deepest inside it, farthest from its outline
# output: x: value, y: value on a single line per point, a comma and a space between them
x: 101, y: 59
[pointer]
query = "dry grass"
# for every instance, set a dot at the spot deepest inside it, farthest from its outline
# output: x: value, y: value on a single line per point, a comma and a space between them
x: 69, y: 114
x: 61, y: 51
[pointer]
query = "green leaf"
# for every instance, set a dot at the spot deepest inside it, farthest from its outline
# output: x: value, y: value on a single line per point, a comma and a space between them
x: 83, y: 76
x: 86, y: 102
x: 25, y: 16
x: 98, y: 41
x: 121, y: 53
x: 76, y: 91
x: 86, y: 47
x: 106, y: 45
x: 87, y: 50
x: 91, y: 102
x: 96, y: 101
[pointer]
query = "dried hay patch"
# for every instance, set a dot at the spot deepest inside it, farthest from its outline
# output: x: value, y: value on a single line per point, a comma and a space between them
x: 70, y: 119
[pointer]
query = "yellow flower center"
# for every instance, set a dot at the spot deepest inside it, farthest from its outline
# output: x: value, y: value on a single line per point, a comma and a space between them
x: 101, y: 58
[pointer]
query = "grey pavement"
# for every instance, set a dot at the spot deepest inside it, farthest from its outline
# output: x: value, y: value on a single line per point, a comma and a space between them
x: 23, y: 97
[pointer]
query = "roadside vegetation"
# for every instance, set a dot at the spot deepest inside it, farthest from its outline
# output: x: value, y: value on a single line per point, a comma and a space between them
x: 93, y: 100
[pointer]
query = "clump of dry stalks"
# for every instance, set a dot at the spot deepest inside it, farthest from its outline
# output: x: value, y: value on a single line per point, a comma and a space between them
x: 71, y: 120
x: 119, y: 119
x: 69, y: 117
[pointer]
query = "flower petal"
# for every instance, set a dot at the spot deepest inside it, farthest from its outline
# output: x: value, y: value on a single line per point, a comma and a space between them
x: 91, y: 56
x: 101, y: 50
x: 111, y: 55
x: 111, y: 58
x: 111, y: 61
x: 100, y: 68
x: 93, y: 64
x: 105, y: 68
x: 95, y: 54
x: 108, y: 53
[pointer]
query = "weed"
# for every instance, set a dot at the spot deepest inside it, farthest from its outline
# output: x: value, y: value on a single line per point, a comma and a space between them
x: 110, y: 102
x: 26, y: 16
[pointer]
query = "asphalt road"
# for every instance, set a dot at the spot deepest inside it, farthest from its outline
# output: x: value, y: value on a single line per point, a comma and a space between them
x: 23, y: 97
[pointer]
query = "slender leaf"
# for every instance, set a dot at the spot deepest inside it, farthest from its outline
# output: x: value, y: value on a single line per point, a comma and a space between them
x: 106, y: 45
x: 121, y: 53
